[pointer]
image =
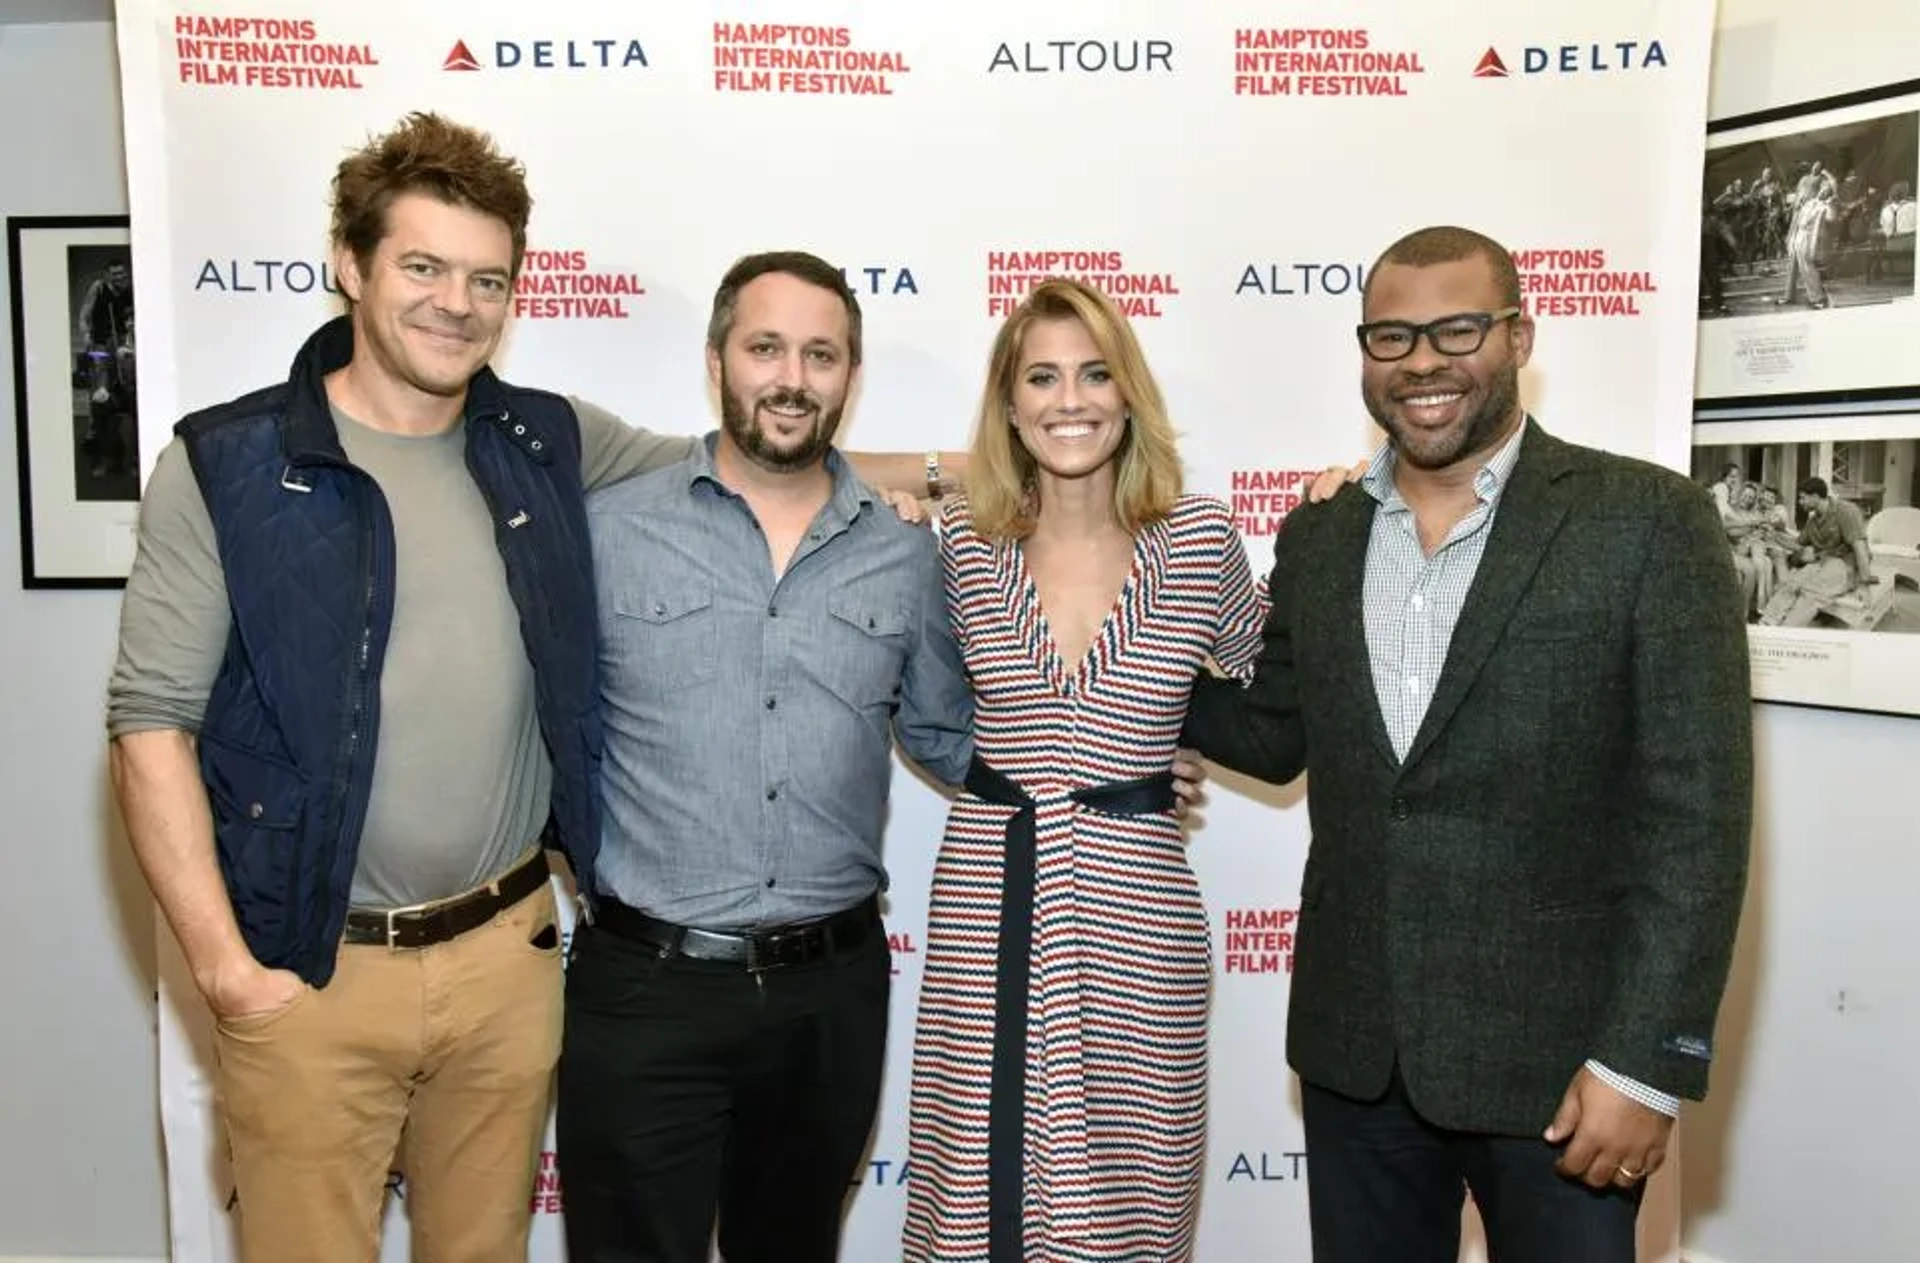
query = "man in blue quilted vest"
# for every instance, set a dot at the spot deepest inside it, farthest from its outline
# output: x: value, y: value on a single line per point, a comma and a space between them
x: 355, y: 707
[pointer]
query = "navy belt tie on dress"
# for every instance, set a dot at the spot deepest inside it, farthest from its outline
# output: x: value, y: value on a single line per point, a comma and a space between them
x: 1006, y: 1117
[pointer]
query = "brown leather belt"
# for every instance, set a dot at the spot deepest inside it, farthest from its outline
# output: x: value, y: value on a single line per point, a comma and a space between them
x: 423, y: 925
x: 756, y: 951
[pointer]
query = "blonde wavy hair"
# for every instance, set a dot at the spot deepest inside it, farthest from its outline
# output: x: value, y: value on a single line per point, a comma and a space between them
x: 1001, y: 488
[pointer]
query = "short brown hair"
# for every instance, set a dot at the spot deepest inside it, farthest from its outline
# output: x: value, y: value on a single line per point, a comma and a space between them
x: 1425, y: 247
x: 798, y: 264
x: 427, y: 154
x: 1000, y: 470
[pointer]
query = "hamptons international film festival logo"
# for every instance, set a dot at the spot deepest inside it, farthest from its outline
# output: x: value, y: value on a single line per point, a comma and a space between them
x: 1261, y: 497
x: 901, y: 943
x: 1013, y: 274
x: 546, y: 1198
x: 1258, y: 940
x: 591, y: 53
x: 1559, y: 60
x: 1320, y: 61
x: 553, y: 284
x: 268, y: 54
x: 803, y: 60
x: 1582, y: 281
x: 566, y: 285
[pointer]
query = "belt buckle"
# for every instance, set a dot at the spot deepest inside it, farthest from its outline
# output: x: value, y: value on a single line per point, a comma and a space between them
x: 392, y: 917
x: 760, y: 953
x: 763, y: 952
x: 788, y: 947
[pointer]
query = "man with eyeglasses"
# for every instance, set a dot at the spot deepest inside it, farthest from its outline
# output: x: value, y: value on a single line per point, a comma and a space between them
x: 1516, y: 671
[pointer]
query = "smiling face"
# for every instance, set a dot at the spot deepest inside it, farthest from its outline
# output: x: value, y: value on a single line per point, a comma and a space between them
x: 783, y: 372
x: 1067, y: 409
x: 1441, y: 410
x: 431, y: 300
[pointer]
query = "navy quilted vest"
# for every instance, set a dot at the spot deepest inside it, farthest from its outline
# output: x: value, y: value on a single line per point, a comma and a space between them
x: 306, y: 543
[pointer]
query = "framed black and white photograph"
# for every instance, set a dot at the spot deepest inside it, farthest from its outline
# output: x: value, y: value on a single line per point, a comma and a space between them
x: 1807, y: 292
x: 1822, y: 516
x: 76, y: 418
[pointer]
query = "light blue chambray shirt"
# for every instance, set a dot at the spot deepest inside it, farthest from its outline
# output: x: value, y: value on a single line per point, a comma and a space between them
x: 1412, y: 603
x: 749, y: 720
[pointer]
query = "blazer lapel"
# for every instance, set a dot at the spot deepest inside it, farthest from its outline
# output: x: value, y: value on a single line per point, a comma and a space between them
x: 1343, y: 588
x: 1530, y: 511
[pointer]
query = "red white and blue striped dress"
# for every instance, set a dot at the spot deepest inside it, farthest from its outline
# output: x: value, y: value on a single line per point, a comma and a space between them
x: 1112, y: 1135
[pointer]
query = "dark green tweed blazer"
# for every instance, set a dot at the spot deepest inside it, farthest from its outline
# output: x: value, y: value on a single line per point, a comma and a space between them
x: 1556, y: 870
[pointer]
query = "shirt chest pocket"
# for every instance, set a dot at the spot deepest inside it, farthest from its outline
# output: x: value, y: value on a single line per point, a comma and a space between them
x: 865, y: 649
x: 662, y: 637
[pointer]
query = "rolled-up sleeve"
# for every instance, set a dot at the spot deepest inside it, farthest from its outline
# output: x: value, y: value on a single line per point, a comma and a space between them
x: 174, y: 617
x: 935, y: 721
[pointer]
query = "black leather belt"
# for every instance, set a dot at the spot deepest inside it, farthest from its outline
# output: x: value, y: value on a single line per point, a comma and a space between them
x: 758, y: 951
x: 426, y: 924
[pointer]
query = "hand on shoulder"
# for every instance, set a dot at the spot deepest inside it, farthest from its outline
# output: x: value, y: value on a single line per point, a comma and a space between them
x: 909, y: 508
x: 1334, y: 477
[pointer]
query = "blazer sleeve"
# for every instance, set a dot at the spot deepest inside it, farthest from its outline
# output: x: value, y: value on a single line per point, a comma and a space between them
x: 1688, y: 812
x: 1257, y: 729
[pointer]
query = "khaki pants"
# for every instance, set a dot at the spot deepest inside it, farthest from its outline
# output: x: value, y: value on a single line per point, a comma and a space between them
x: 441, y: 1057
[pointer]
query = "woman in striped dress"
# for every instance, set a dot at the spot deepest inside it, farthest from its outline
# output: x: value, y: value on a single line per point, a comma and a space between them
x: 1060, y: 1055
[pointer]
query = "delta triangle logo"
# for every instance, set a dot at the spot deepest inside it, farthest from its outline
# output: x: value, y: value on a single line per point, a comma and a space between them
x: 1490, y: 66
x: 460, y: 57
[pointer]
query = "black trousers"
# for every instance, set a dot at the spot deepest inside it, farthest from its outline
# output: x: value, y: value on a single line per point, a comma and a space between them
x: 690, y: 1091
x: 1386, y: 1186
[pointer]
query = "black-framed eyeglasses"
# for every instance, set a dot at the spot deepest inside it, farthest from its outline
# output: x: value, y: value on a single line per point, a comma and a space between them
x: 1462, y: 333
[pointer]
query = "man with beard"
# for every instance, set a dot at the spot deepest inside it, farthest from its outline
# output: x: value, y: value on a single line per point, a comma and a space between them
x: 356, y: 704
x: 764, y: 623
x: 1516, y: 671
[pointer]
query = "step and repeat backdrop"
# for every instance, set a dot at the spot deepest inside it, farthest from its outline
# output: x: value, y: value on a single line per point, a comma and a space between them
x: 1226, y: 170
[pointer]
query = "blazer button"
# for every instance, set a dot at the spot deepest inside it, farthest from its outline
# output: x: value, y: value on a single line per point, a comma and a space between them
x: 1399, y: 809
x: 255, y: 811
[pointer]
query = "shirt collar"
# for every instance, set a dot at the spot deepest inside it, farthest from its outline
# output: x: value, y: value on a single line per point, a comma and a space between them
x: 1488, y: 481
x: 848, y: 498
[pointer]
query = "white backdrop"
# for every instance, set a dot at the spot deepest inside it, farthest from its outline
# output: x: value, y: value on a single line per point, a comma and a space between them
x: 1227, y: 169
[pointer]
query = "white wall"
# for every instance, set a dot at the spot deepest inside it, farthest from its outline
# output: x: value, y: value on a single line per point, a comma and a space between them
x: 1804, y: 1151
x: 1800, y: 1155
x: 79, y: 1129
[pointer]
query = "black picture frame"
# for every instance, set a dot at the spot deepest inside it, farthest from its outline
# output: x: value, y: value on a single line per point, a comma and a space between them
x: 1768, y: 339
x: 76, y: 410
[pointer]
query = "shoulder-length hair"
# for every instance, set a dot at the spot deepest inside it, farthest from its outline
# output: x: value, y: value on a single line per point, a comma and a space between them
x: 1001, y: 488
